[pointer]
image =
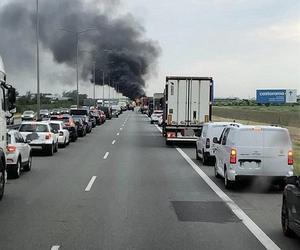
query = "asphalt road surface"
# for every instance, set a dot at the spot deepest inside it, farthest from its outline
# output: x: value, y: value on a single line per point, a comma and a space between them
x: 122, y: 188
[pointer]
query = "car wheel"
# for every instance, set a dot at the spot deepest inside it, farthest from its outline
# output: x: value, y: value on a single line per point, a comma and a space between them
x: 16, y: 171
x: 151, y: 122
x: 50, y: 150
x: 55, y: 147
x: 216, y: 172
x: 2, y: 180
x: 228, y: 184
x: 285, y: 220
x: 197, y: 154
x: 65, y: 143
x: 204, y: 158
x: 27, y: 167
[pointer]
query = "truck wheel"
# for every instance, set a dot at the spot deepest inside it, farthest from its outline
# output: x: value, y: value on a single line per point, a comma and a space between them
x: 2, y: 179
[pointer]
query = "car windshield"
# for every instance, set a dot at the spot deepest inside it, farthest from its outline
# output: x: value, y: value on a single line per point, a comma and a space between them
x: 44, y: 111
x: 33, y: 127
x: 28, y: 112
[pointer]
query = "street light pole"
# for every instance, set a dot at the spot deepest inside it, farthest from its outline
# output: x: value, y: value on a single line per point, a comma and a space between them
x: 77, y: 33
x: 77, y: 69
x: 103, y: 75
x: 94, y: 94
x: 38, y: 97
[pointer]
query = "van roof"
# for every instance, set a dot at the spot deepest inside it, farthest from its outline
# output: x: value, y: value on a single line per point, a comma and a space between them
x: 220, y: 123
x: 264, y: 127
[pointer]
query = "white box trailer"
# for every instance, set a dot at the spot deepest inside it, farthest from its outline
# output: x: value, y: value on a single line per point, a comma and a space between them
x: 188, y: 104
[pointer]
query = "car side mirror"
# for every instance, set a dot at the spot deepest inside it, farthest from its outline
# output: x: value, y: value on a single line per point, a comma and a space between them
x: 291, y: 180
x: 216, y: 140
x: 54, y: 131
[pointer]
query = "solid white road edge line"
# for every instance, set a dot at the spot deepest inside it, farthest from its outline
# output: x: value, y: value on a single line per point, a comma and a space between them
x: 56, y: 247
x: 91, y: 182
x: 106, y: 155
x: 254, y: 229
x: 113, y: 142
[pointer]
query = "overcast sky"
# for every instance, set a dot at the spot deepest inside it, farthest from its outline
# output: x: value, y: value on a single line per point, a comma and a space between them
x: 242, y: 44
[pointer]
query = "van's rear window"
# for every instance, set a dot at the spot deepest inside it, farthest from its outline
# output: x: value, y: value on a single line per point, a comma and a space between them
x: 276, y: 138
x: 78, y: 112
x: 250, y: 138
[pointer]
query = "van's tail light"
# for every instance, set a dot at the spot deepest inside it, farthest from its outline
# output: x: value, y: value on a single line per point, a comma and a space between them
x: 171, y: 134
x: 48, y: 136
x: 290, y: 158
x: 11, y: 148
x: 207, y: 144
x: 233, y: 154
x: 61, y: 133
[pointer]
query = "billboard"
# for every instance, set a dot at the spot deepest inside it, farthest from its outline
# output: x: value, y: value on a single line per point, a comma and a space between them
x: 276, y: 96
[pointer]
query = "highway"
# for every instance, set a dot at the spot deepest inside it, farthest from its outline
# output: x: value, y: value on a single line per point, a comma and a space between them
x: 120, y: 187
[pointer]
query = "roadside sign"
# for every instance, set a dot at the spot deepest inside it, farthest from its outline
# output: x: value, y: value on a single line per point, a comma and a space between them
x: 276, y: 96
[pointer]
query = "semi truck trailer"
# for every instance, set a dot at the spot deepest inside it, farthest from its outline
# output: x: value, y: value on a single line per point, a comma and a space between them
x: 7, y: 109
x: 187, y: 105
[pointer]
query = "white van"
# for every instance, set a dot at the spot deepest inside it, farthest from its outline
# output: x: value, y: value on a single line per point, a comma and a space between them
x: 205, y: 148
x: 247, y: 151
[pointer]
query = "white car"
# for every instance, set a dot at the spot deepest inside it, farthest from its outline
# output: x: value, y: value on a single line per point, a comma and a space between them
x: 28, y: 115
x: 64, y: 134
x: 205, y: 148
x: 40, y: 135
x: 18, y: 154
x: 245, y: 151
x: 156, y: 115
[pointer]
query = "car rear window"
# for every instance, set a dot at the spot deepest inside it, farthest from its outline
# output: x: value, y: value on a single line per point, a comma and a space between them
x: 55, y: 126
x: 34, y: 128
x: 216, y: 131
x: 276, y: 138
x: 78, y: 112
x: 249, y: 138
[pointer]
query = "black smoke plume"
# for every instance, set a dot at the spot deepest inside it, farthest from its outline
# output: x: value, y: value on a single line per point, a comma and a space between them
x: 117, y: 43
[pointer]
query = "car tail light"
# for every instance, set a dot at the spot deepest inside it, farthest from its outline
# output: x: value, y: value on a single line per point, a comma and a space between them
x: 171, y: 134
x: 11, y: 148
x: 233, y: 154
x: 290, y: 158
x: 61, y: 133
x: 48, y: 136
x: 207, y: 145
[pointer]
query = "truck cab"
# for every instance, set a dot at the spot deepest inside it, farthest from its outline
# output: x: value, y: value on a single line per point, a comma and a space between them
x: 7, y: 108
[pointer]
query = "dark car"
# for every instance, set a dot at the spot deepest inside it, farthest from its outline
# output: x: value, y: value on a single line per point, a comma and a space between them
x: 69, y: 124
x: 107, y: 111
x: 81, y: 125
x: 84, y: 114
x: 97, y: 117
x: 290, y: 212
